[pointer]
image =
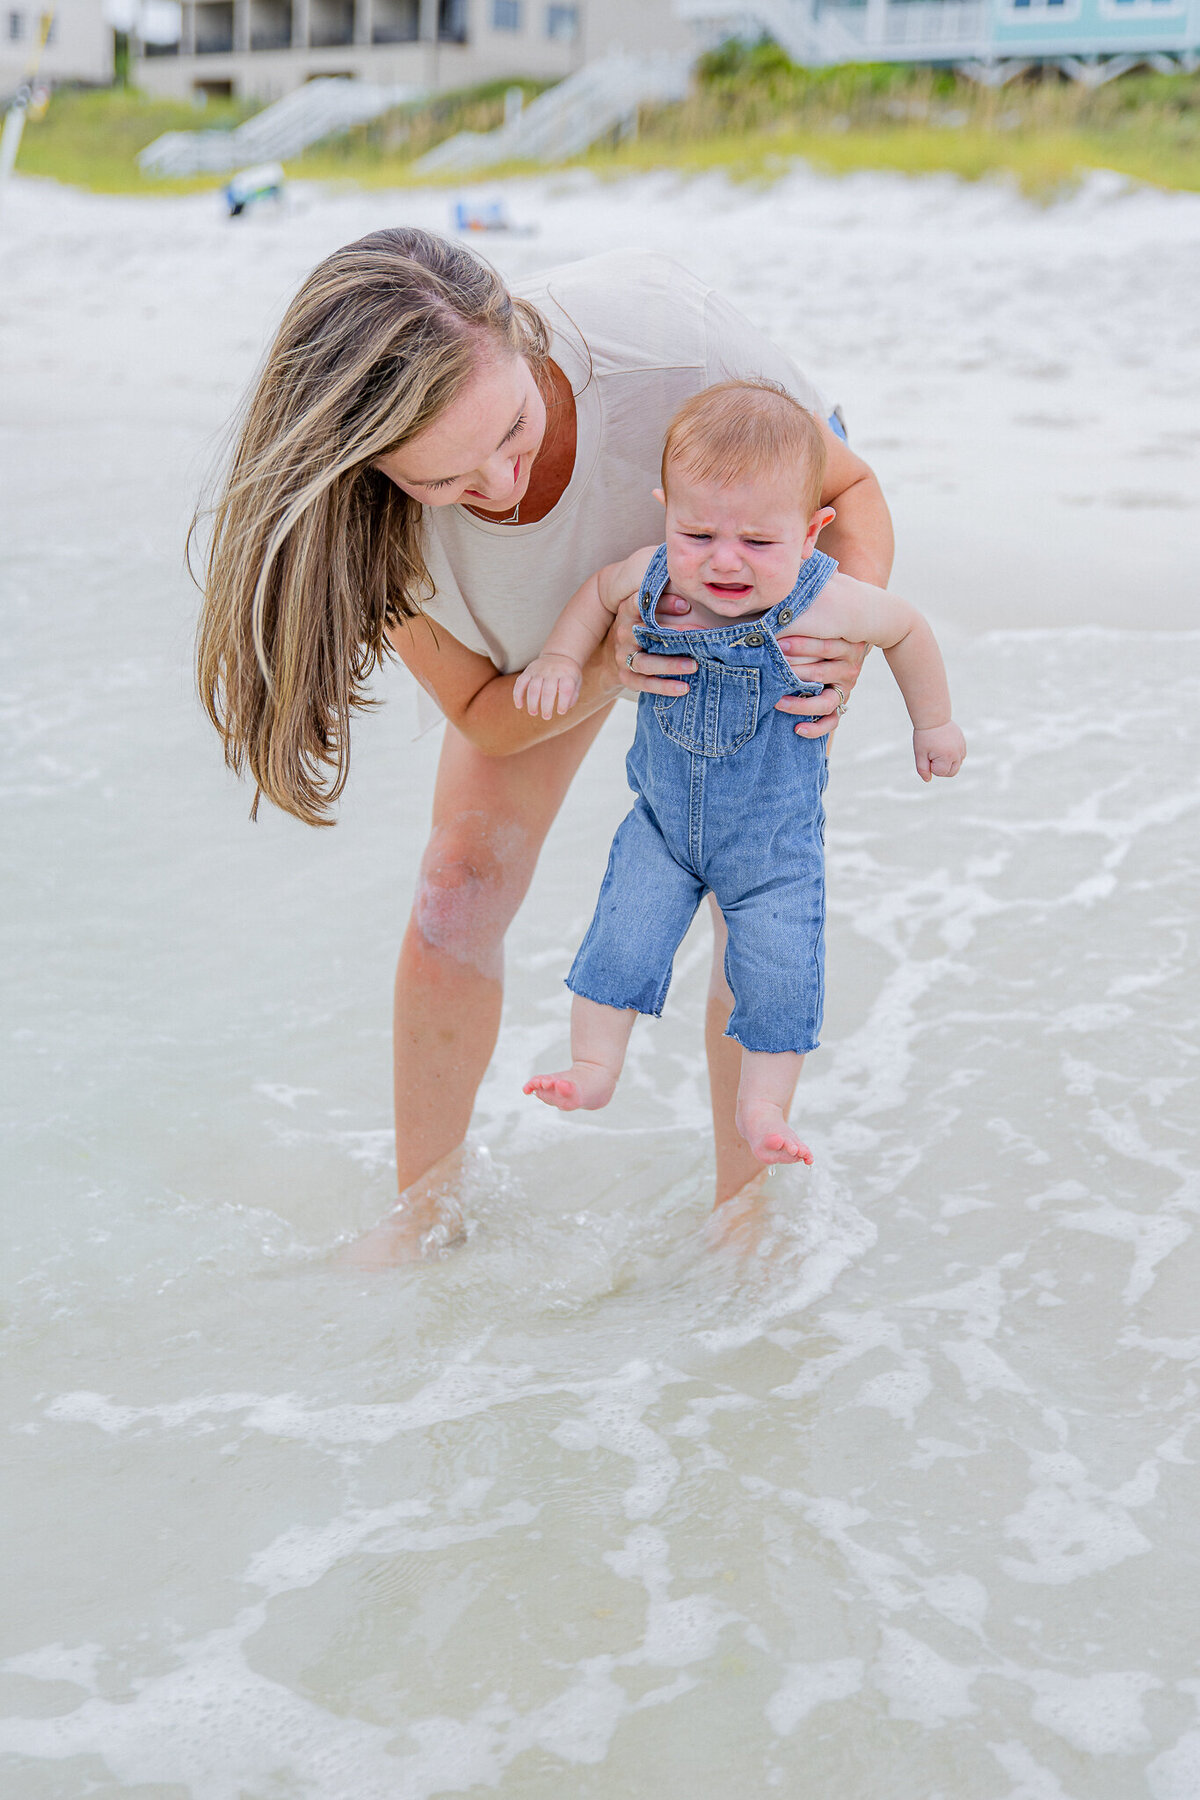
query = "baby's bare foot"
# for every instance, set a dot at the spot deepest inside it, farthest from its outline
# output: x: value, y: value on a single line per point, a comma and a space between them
x: 584, y: 1084
x: 770, y: 1136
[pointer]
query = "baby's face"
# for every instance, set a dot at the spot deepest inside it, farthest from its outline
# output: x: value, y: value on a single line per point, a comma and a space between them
x: 737, y: 548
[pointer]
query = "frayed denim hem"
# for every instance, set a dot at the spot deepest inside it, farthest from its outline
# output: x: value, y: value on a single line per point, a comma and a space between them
x: 644, y: 1012
x: 775, y: 1049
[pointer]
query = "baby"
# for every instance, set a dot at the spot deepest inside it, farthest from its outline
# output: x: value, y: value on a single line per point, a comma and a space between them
x: 728, y: 796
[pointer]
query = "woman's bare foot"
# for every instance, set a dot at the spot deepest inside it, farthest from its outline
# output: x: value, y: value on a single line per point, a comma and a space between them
x: 428, y: 1218
x: 585, y: 1084
x: 770, y: 1137
x: 738, y: 1222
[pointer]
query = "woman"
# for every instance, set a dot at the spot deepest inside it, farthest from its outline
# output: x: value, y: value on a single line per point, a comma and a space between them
x: 431, y: 466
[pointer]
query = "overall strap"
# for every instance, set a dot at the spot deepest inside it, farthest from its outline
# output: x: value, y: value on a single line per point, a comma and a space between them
x: 814, y: 573
x: 653, y: 583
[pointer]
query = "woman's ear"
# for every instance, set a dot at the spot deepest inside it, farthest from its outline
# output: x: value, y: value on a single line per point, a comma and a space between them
x: 660, y: 496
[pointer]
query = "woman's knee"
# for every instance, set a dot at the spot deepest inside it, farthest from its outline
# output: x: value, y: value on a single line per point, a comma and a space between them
x: 473, y: 877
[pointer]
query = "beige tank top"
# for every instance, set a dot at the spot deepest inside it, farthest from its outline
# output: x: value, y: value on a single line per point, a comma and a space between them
x: 636, y: 335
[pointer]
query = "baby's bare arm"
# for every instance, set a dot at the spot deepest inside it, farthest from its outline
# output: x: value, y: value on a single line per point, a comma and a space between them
x: 553, y: 680
x: 864, y: 614
x: 587, y: 617
x: 861, y: 613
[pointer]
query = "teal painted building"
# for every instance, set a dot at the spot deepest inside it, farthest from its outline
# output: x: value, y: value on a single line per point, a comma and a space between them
x: 1091, y: 40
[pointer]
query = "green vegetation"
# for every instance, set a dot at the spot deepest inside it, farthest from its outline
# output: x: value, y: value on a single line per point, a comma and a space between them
x: 751, y: 112
x: 90, y: 137
x: 379, y: 153
x: 751, y: 106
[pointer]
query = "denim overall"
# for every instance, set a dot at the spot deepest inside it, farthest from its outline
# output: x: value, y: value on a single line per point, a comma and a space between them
x: 728, y: 801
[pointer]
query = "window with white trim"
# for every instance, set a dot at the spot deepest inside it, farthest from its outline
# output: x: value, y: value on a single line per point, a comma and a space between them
x: 506, y: 15
x: 16, y: 27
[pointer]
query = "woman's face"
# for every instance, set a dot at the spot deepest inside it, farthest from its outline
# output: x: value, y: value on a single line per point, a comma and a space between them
x: 479, y: 452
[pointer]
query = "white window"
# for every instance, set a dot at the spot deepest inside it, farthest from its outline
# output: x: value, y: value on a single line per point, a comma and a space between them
x: 562, y: 21
x: 506, y: 15
x: 16, y: 27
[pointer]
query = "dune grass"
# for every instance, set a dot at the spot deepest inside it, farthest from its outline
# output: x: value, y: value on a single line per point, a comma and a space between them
x: 750, y: 113
x: 1043, y: 166
x: 750, y: 105
x: 90, y: 137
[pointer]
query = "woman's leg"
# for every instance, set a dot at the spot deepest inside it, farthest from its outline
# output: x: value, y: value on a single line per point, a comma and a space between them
x: 490, y: 816
x: 737, y: 1164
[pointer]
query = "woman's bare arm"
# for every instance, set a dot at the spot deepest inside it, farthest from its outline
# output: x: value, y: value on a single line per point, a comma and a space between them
x: 862, y: 543
x: 478, y: 700
x: 860, y: 539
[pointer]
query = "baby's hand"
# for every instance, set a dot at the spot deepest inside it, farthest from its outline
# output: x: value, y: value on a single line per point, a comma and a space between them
x: 550, y: 683
x: 939, y: 750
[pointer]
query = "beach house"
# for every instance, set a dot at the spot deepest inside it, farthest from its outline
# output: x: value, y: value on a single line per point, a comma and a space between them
x: 78, y: 47
x: 263, y: 49
x: 1091, y: 40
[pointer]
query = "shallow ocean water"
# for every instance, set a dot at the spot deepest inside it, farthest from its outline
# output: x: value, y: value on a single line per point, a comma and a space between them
x: 894, y: 1497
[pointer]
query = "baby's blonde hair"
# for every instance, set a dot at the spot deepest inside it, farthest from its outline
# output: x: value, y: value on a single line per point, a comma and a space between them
x: 743, y: 430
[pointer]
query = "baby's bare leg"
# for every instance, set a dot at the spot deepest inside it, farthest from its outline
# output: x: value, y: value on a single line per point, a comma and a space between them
x: 764, y: 1095
x: 599, y: 1039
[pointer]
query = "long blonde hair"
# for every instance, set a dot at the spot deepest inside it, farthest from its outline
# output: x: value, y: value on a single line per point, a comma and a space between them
x: 313, y: 552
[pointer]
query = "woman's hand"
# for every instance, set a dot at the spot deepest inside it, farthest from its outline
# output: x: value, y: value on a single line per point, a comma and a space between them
x: 834, y: 663
x: 635, y: 674
x: 831, y: 661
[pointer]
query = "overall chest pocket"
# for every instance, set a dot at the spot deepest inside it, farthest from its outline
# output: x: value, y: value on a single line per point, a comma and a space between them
x: 716, y: 715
